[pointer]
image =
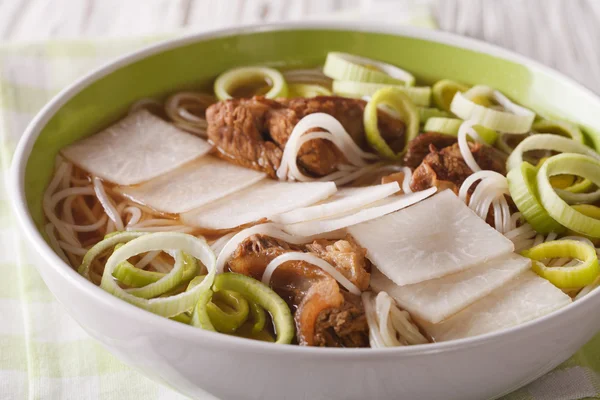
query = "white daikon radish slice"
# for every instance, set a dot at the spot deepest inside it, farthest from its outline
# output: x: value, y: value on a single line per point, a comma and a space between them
x: 378, y: 209
x: 193, y: 185
x: 523, y: 299
x: 261, y: 200
x: 434, y: 238
x: 437, y: 299
x: 345, y: 199
x: 139, y: 147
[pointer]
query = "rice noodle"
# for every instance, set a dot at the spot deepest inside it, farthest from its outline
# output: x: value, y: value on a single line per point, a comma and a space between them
x: 335, y: 133
x: 147, y: 259
x: 136, y: 215
x: 109, y: 208
x: 143, y: 104
x: 217, y: 245
x: 466, y: 129
x: 167, y: 228
x: 156, y: 222
x: 49, y: 208
x: 49, y: 228
x: 89, y: 228
x: 76, y: 250
x: 375, y: 339
x: 311, y: 259
x: 388, y: 325
x: 110, y: 226
x: 178, y: 108
x: 490, y: 192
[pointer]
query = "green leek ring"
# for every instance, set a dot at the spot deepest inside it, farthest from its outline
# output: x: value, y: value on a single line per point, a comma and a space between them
x: 570, y: 164
x: 264, y: 296
x: 565, y: 277
x: 400, y: 103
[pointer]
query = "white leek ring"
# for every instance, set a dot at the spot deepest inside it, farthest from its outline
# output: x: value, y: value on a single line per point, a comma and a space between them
x: 571, y: 164
x: 164, y: 306
x: 451, y: 126
x: 348, y: 67
x: 515, y: 119
x: 229, y: 80
x: 523, y: 190
x: 420, y: 96
x: 444, y: 91
x: 108, y: 243
x: 559, y: 128
x: 425, y: 113
x: 547, y: 141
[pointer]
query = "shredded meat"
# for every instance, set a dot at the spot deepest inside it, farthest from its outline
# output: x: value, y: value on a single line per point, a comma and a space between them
x: 446, y: 168
x: 345, y: 326
x: 325, y: 315
x: 347, y: 256
x: 323, y: 296
x: 253, y: 132
x: 419, y: 147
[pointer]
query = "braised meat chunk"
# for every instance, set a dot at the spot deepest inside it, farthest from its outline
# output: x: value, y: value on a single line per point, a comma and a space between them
x: 325, y: 314
x: 345, y: 326
x: 418, y: 148
x: 238, y: 128
x: 253, y: 132
x: 446, y: 169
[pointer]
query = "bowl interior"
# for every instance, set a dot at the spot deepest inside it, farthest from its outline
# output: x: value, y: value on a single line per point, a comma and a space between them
x: 193, y: 64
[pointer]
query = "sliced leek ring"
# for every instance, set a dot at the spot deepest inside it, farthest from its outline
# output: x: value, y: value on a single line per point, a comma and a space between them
x: 578, y: 198
x: 571, y: 164
x: 420, y: 96
x: 523, y: 190
x: 589, y: 210
x: 229, y: 318
x: 200, y: 318
x: 306, y: 90
x: 348, y: 67
x: 264, y: 296
x: 546, y: 141
x: 559, y: 128
x: 565, y: 277
x: 425, y: 113
x: 400, y: 103
x: 450, y: 126
x: 571, y: 191
x: 515, y: 119
x: 581, y: 186
x: 164, y: 306
x: 129, y: 275
x: 109, y: 242
x: 186, y: 267
x: 229, y: 80
x: 444, y: 91
x: 259, y: 317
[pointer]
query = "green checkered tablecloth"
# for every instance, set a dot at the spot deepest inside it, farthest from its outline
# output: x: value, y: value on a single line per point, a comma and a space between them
x: 44, y: 354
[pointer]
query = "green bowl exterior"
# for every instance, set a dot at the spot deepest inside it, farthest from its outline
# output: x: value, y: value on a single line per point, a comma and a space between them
x: 196, y: 64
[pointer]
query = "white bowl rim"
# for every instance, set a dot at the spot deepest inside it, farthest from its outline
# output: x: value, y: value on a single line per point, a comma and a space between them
x: 226, y: 342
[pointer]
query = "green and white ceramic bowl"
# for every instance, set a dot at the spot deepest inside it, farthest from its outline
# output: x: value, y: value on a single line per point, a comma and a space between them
x: 192, y: 360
